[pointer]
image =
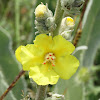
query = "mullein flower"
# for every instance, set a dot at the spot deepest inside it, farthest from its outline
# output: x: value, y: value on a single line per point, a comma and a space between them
x: 48, y: 59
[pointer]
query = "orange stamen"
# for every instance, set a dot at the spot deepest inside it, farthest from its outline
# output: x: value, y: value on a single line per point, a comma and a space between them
x: 53, y: 65
x: 44, y: 63
x: 51, y: 58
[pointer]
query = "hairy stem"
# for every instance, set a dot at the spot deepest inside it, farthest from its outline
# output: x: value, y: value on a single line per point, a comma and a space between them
x: 41, y: 92
x: 58, y: 17
x: 17, y: 22
x: 12, y: 85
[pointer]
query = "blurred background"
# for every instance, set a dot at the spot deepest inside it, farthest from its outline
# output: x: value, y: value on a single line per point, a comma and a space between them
x: 17, y: 28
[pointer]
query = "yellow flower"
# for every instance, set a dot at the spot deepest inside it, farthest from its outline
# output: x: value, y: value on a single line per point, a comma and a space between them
x: 48, y: 59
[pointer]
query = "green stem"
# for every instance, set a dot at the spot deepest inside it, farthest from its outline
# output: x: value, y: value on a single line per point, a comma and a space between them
x: 17, y: 22
x: 58, y: 17
x: 41, y: 92
x: 84, y: 92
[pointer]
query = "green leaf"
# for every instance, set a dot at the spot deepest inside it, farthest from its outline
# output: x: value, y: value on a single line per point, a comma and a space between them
x: 70, y: 89
x: 91, y: 33
x: 9, y: 68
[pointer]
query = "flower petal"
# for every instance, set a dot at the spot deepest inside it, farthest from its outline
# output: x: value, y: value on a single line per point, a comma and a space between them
x: 42, y: 75
x: 43, y: 41
x: 62, y: 46
x: 26, y: 55
x: 66, y: 66
x: 17, y: 53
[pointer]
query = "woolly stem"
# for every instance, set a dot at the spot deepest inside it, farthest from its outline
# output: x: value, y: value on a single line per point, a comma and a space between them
x: 41, y: 92
x: 58, y: 17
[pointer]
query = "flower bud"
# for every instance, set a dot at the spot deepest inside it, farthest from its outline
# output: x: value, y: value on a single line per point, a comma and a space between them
x: 66, y: 34
x: 50, y: 23
x: 70, y: 22
x: 44, y: 19
x: 66, y: 27
x: 40, y: 10
x: 72, y: 6
x: 67, y: 23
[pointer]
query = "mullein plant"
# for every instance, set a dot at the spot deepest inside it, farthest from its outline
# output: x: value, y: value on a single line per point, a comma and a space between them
x: 50, y: 57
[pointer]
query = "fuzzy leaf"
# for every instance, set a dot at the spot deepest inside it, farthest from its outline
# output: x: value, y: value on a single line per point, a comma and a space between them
x: 9, y: 68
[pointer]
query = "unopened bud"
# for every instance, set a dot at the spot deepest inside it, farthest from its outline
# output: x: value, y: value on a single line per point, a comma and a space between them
x: 67, y: 27
x: 70, y: 22
x: 66, y: 34
x: 40, y: 10
x: 72, y: 6
x: 67, y: 23
x: 44, y: 19
x: 50, y: 23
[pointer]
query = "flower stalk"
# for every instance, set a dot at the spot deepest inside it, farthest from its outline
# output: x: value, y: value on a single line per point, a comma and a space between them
x: 17, y: 22
x: 58, y: 17
x: 41, y: 92
x: 12, y: 85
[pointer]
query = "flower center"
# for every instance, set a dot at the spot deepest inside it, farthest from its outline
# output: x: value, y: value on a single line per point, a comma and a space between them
x: 49, y: 58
